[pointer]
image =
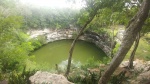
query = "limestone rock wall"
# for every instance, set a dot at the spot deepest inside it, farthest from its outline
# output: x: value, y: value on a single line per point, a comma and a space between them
x: 53, y: 34
x: 102, y: 41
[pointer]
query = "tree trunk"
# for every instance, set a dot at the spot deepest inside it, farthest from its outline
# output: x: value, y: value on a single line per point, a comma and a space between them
x: 74, y: 41
x: 130, y: 65
x: 135, y: 26
x: 112, y: 42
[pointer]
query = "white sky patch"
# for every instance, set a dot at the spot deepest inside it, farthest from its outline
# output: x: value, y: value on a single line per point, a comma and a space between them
x: 54, y: 3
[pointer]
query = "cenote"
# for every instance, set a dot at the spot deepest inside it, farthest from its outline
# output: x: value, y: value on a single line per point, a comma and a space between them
x: 56, y: 52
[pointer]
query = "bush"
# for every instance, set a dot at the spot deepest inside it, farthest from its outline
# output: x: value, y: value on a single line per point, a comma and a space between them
x: 85, y: 75
x: 90, y: 64
x: 20, y: 78
x: 118, y: 79
x: 14, y: 56
x: 42, y: 39
x: 38, y: 41
x: 35, y: 43
x: 2, y: 77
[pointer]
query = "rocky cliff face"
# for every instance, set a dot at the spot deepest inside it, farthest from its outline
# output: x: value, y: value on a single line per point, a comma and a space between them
x: 102, y: 41
x: 53, y: 34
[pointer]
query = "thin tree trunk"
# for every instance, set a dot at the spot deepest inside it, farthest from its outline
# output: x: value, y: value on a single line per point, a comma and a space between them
x: 135, y: 26
x: 130, y: 65
x: 112, y: 42
x: 74, y: 41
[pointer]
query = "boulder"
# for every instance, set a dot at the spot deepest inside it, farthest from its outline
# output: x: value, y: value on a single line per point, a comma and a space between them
x: 48, y: 78
x: 143, y: 78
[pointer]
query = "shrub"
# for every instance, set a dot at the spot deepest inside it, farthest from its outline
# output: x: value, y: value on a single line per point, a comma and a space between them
x: 20, y: 77
x: 116, y: 48
x: 35, y: 43
x: 90, y: 64
x: 118, y: 79
x: 14, y: 56
x: 42, y: 39
x: 84, y: 75
x: 38, y: 41
x: 2, y: 77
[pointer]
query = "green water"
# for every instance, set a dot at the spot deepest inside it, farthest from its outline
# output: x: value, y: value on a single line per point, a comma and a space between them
x: 58, y: 51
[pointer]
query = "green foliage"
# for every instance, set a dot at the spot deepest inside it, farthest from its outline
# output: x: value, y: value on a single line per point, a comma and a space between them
x: 38, y: 41
x: 90, y: 64
x: 40, y: 17
x: 20, y: 77
x: 41, y: 39
x: 98, y: 30
x: 75, y: 78
x: 146, y: 29
x: 108, y: 13
x: 2, y: 77
x: 91, y: 78
x: 14, y: 46
x: 116, y: 48
x: 7, y: 3
x: 35, y: 43
x: 74, y: 34
x: 143, y: 48
x: 8, y: 28
x: 118, y: 79
x: 147, y: 58
x: 14, y: 55
x: 83, y: 17
x: 84, y: 77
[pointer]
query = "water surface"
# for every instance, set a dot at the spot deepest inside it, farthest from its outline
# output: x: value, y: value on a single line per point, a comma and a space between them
x: 58, y: 51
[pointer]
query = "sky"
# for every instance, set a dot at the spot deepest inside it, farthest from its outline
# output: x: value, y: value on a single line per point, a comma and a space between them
x: 54, y: 3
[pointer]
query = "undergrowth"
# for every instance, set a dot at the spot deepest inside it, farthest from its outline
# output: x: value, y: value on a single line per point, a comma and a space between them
x: 20, y: 77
